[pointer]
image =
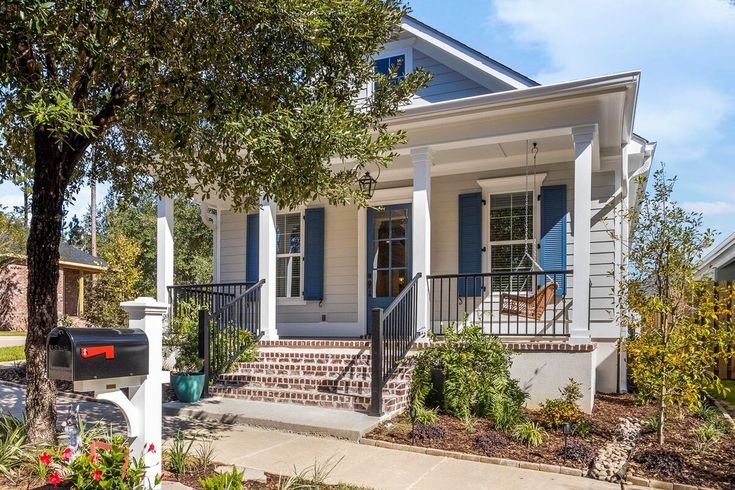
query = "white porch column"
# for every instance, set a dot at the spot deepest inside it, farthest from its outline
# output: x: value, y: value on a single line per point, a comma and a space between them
x: 421, y: 231
x: 267, y: 267
x: 584, y: 138
x: 164, y: 248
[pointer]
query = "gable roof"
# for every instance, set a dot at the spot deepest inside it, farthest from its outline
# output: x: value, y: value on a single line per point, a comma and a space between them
x: 474, y: 64
x: 75, y: 258
x: 720, y: 256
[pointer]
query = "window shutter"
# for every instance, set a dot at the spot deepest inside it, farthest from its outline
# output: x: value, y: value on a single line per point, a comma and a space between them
x: 554, y: 232
x: 314, y: 254
x: 470, y: 242
x: 251, y: 249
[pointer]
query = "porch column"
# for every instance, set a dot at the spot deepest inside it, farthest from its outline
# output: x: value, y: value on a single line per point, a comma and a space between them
x: 584, y: 138
x: 421, y: 231
x: 267, y: 267
x: 164, y: 248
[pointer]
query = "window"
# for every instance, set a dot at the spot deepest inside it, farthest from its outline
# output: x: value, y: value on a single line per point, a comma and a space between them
x: 288, y: 255
x: 392, y: 63
x: 511, y: 237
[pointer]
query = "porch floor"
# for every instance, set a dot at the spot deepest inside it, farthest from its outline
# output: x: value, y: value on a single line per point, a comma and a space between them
x: 343, y: 424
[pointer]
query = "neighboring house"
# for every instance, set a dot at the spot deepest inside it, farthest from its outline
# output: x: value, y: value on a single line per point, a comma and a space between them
x: 74, y: 266
x: 719, y: 264
x: 488, y: 223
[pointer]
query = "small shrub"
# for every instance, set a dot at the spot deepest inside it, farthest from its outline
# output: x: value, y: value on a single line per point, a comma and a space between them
x: 651, y: 425
x: 426, y: 416
x: 223, y: 481
x: 660, y: 461
x: 176, y: 457
x: 571, y: 392
x: 425, y: 432
x: 707, y: 413
x: 204, y: 455
x: 578, y: 451
x: 490, y: 442
x: 707, y: 435
x: 583, y: 428
x: 14, y: 449
x: 475, y: 377
x: 314, y: 476
x: 555, y: 413
x: 529, y: 433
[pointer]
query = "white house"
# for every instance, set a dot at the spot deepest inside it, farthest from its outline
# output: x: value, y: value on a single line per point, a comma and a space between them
x: 500, y: 210
x: 719, y: 263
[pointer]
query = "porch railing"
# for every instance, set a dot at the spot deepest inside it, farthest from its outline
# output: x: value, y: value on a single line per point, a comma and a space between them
x: 393, y: 333
x: 527, y: 303
x: 209, y: 296
x: 225, y: 332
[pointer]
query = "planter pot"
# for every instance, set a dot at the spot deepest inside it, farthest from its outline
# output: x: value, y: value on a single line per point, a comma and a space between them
x: 188, y: 386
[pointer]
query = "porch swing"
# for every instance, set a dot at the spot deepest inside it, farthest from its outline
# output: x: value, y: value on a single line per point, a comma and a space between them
x: 532, y: 306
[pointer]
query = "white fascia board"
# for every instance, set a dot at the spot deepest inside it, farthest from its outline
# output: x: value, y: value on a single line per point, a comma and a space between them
x: 721, y: 255
x: 458, y: 51
x: 575, y: 88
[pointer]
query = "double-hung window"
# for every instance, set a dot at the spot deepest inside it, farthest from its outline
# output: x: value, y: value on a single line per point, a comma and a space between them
x: 289, y: 255
x: 511, y: 239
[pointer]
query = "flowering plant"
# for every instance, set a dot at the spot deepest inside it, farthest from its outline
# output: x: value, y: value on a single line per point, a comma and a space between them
x: 100, y: 466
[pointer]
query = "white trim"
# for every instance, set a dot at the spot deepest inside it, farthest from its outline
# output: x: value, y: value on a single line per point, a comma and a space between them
x: 292, y: 300
x: 472, y: 59
x: 393, y: 195
x: 516, y: 183
x: 406, y: 52
x: 321, y: 329
x: 362, y: 270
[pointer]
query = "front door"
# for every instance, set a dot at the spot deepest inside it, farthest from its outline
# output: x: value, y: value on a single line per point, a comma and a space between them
x: 389, y: 255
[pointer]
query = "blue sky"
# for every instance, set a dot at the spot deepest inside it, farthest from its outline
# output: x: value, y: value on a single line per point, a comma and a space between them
x: 683, y: 47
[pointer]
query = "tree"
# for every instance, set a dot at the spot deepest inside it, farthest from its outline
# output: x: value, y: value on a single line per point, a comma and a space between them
x: 75, y: 233
x: 12, y: 248
x: 675, y: 322
x: 227, y: 98
x: 117, y: 284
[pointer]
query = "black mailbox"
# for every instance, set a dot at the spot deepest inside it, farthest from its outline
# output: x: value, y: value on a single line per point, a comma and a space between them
x: 84, y: 354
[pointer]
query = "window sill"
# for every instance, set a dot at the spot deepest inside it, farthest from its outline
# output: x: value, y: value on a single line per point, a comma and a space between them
x: 290, y: 302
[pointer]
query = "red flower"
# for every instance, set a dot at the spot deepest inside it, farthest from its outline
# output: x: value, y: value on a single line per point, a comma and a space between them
x: 66, y: 455
x: 151, y: 448
x: 54, y: 479
x: 96, y: 475
x: 45, y: 458
x: 94, y: 458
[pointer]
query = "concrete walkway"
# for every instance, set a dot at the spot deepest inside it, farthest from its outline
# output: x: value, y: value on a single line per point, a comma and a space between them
x: 373, y: 467
x: 343, y: 424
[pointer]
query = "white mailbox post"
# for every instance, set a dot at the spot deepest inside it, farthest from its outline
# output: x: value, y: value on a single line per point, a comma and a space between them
x: 143, y: 409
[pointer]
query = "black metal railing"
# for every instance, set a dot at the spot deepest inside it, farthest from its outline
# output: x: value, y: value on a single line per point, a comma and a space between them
x: 226, y: 332
x: 527, y: 303
x: 209, y: 296
x: 393, y: 333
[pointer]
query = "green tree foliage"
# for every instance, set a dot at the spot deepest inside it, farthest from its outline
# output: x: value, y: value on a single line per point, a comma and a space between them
x: 676, y: 322
x: 227, y: 98
x: 12, y: 248
x: 117, y: 284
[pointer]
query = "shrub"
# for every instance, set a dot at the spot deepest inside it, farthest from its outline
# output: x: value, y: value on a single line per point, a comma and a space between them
x: 659, y: 461
x: 176, y: 457
x: 571, y: 392
x: 426, y: 416
x: 555, y: 413
x: 425, y: 432
x: 223, y: 481
x: 491, y: 441
x: 707, y: 435
x: 651, y: 424
x: 707, y: 413
x: 583, y: 428
x: 578, y: 451
x: 476, y: 377
x: 528, y: 433
x: 14, y: 449
x: 183, y: 334
x: 204, y: 455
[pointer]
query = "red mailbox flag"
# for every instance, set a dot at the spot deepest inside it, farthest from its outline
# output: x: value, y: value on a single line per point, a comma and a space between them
x: 107, y: 350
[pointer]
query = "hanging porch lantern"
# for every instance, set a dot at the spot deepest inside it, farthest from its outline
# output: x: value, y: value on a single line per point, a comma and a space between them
x: 367, y: 184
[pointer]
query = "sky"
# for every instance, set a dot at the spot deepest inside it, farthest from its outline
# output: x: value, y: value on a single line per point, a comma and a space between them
x: 684, y: 48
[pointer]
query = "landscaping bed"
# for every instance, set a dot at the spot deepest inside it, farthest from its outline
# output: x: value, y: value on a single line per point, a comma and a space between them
x: 713, y: 468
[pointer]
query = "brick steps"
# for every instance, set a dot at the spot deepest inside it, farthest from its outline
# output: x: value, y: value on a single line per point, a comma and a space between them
x: 321, y: 373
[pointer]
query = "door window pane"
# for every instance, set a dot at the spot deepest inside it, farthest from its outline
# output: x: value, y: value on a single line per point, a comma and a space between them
x: 399, y: 254
x: 381, y: 284
x: 399, y: 279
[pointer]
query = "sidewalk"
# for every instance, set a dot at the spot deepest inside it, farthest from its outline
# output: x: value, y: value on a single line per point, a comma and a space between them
x: 373, y: 467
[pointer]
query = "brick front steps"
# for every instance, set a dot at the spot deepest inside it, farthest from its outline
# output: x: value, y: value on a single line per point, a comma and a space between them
x: 322, y: 373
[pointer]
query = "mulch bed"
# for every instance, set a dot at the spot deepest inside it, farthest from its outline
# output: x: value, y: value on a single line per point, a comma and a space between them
x: 714, y: 469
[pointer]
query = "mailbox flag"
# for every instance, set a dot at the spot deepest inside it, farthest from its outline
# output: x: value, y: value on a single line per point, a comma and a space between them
x: 107, y: 350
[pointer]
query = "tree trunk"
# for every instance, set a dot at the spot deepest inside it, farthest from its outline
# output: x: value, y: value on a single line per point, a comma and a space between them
x: 43, y: 277
x: 661, y: 415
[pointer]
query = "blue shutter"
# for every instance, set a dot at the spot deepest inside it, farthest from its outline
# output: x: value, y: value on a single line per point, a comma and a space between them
x: 251, y: 249
x: 470, y: 242
x: 554, y: 233
x: 314, y: 254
